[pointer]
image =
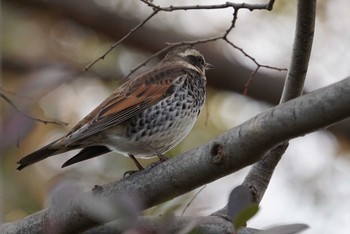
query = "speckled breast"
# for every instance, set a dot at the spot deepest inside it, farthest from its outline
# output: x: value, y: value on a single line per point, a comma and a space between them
x: 160, y: 127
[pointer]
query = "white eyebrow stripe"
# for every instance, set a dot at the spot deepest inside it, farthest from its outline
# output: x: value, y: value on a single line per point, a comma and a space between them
x: 190, y: 52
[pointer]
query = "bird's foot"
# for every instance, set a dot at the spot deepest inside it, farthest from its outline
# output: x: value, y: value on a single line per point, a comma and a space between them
x: 138, y: 165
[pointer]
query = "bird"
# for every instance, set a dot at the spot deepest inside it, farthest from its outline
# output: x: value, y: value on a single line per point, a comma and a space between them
x: 145, y: 117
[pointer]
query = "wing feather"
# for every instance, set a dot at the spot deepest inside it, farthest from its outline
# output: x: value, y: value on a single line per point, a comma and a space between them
x: 120, y: 107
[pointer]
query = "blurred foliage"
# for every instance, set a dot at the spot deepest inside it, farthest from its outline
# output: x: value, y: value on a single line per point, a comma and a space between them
x: 245, y: 215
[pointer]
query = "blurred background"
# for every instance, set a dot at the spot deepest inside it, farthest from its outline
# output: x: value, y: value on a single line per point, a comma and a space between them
x: 45, y: 45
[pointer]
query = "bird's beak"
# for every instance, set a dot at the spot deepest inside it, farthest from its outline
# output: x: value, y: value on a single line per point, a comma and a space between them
x: 208, y: 66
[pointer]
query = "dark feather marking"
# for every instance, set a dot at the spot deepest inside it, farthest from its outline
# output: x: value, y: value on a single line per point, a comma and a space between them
x: 87, y: 153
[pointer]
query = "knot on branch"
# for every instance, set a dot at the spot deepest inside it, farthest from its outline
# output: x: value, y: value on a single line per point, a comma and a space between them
x: 217, y: 153
x: 254, y: 193
x: 97, y: 189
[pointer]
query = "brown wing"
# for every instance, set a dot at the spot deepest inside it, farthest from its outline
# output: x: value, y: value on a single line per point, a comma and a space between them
x: 131, y: 99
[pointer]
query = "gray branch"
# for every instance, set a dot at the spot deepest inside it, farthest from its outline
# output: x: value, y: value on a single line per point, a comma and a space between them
x: 233, y: 150
x: 260, y: 175
x: 303, y: 39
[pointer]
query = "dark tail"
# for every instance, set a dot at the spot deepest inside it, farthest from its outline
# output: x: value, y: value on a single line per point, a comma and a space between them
x: 46, y: 151
x: 87, y: 153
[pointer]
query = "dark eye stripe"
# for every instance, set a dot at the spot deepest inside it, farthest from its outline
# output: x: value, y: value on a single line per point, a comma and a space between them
x: 196, y: 60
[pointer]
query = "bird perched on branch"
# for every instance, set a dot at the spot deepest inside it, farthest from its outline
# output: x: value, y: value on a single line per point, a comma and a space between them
x: 145, y: 117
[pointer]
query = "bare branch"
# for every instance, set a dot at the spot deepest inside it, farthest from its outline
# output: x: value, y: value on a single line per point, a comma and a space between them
x: 194, y: 197
x: 207, y: 40
x: 156, y: 9
x: 258, y: 66
x: 148, y: 60
x: 121, y: 40
x: 260, y: 174
x: 235, y: 6
x: 303, y: 39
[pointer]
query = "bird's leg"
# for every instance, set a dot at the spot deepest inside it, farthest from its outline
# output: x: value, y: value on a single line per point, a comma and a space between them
x: 161, y: 157
x: 138, y: 165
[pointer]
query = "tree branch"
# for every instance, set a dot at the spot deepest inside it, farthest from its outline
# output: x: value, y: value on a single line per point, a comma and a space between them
x: 303, y: 39
x: 235, y: 6
x: 235, y: 149
x: 260, y: 175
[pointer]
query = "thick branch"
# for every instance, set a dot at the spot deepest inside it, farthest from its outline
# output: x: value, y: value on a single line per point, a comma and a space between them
x: 303, y: 39
x: 235, y: 149
x: 260, y: 175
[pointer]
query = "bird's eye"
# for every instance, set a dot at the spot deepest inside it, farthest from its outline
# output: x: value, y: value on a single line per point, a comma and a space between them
x: 200, y: 60
x: 196, y: 60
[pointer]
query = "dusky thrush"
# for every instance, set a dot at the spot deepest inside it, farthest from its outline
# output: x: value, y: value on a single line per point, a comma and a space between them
x: 145, y: 117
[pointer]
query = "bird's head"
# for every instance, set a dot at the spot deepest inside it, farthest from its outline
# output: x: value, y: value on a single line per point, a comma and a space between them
x: 190, y: 58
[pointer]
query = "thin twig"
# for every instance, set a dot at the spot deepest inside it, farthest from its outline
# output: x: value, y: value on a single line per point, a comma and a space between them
x: 236, y: 6
x: 3, y: 96
x: 250, y: 81
x: 157, y: 9
x: 147, y: 60
x: 194, y: 197
x: 258, y: 66
x: 253, y: 59
x: 121, y: 40
x: 171, y: 45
